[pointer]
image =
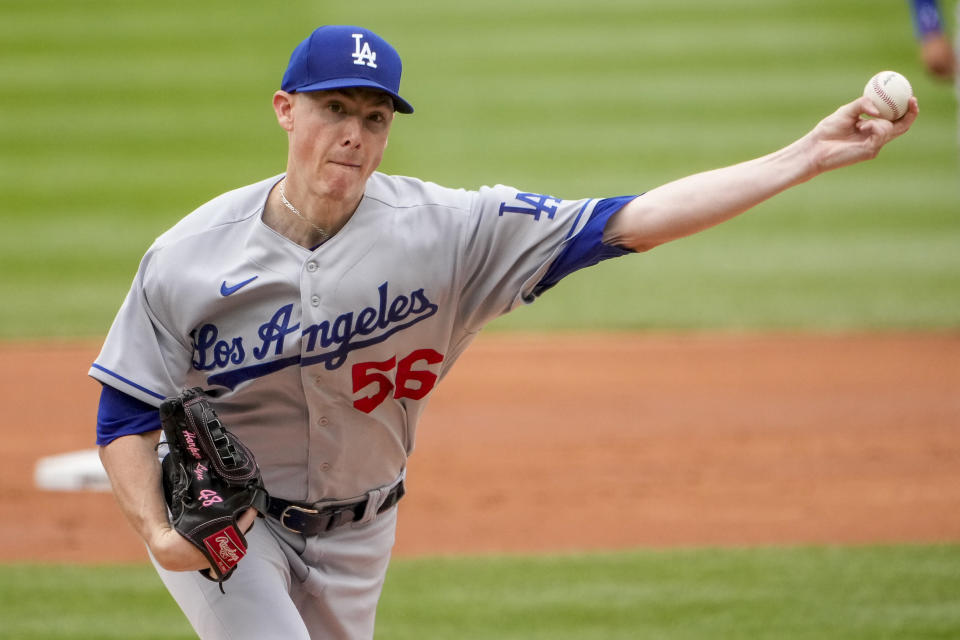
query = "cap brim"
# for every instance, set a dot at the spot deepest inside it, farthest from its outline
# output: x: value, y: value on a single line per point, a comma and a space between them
x: 399, y: 104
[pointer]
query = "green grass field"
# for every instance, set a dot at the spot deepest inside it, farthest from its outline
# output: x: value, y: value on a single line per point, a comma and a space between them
x: 866, y: 593
x: 118, y: 117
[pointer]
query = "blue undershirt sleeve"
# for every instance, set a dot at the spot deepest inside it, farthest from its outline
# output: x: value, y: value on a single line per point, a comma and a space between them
x: 123, y: 415
x: 586, y: 248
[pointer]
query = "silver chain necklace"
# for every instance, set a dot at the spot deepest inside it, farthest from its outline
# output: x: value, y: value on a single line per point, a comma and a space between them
x: 283, y: 198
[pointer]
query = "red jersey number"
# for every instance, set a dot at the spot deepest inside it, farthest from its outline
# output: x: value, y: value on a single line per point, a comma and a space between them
x: 413, y: 380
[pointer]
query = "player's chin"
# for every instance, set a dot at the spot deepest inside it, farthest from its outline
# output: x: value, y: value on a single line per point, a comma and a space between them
x: 345, y: 177
x: 343, y: 185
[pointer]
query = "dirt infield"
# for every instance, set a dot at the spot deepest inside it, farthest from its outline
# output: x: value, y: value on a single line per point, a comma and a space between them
x: 592, y: 442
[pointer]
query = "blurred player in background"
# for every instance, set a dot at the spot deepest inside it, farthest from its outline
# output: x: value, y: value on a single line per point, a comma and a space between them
x: 940, y: 59
x: 938, y: 56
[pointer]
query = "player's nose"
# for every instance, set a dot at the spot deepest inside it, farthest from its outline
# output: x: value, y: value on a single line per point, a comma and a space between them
x: 350, y: 135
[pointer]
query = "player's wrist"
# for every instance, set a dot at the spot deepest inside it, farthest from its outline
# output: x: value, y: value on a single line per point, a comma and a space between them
x: 807, y: 160
x: 799, y: 161
x: 174, y: 552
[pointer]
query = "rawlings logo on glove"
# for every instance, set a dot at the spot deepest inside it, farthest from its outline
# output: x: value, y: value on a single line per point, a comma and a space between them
x: 209, y: 479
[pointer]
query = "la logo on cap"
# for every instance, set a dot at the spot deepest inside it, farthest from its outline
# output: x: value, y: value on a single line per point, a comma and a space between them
x: 364, y: 55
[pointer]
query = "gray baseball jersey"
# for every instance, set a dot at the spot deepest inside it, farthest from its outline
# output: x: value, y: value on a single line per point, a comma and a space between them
x: 322, y: 361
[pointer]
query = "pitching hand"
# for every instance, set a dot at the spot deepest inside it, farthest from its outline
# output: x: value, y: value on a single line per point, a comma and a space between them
x: 845, y: 137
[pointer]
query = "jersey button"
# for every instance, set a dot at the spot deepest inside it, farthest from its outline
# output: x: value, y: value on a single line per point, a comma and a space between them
x: 311, y: 266
x: 323, y: 421
x: 325, y: 466
x: 315, y: 301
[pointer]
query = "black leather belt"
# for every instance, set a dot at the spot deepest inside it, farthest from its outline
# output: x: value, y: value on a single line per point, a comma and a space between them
x: 311, y: 520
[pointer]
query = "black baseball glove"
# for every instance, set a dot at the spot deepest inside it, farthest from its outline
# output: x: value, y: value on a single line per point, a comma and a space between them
x: 209, y: 479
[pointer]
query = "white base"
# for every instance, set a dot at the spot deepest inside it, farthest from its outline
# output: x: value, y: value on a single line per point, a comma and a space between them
x: 75, y: 471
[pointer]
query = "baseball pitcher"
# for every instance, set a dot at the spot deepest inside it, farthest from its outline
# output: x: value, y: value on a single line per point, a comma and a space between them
x: 293, y: 330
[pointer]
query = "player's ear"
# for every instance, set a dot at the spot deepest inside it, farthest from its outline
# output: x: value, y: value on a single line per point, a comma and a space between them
x: 283, y: 107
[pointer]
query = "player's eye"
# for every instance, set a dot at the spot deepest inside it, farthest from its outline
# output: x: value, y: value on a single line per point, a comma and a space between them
x: 335, y: 107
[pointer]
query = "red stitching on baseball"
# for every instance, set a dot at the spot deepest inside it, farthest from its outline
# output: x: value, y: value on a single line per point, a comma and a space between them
x: 883, y: 95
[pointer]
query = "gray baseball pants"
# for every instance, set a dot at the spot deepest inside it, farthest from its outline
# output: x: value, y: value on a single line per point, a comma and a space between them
x: 291, y: 586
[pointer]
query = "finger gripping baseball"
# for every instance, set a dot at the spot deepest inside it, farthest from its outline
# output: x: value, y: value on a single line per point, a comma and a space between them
x: 209, y: 478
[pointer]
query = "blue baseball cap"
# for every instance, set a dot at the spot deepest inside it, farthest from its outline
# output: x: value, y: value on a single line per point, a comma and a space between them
x: 340, y: 57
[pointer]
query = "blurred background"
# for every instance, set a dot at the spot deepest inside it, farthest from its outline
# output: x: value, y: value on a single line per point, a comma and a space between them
x: 119, y: 117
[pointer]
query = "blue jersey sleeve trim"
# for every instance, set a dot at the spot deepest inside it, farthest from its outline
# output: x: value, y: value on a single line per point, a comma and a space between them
x: 123, y: 415
x: 576, y: 221
x: 129, y: 382
x: 586, y: 248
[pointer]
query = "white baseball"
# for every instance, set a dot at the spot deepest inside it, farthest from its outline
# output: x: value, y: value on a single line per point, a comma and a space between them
x: 890, y: 93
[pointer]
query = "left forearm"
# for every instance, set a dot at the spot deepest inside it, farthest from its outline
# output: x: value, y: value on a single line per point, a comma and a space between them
x: 694, y: 203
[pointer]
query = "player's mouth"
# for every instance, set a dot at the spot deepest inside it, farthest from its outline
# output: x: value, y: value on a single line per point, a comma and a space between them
x: 350, y: 165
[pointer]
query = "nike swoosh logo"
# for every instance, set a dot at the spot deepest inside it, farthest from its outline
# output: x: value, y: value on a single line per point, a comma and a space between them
x: 226, y: 291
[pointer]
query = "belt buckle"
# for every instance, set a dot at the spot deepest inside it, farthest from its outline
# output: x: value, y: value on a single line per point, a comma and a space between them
x: 284, y: 514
